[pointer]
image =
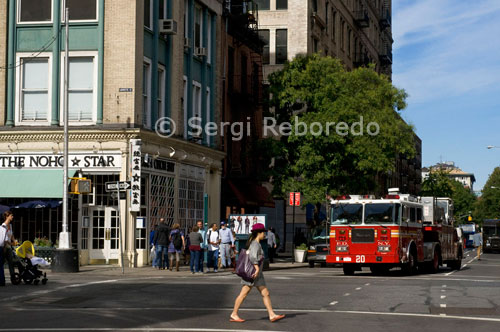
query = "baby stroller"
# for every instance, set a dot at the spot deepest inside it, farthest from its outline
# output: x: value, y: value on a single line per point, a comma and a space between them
x: 27, y: 265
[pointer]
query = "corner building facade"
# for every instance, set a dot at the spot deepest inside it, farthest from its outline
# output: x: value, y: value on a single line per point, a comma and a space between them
x: 131, y: 64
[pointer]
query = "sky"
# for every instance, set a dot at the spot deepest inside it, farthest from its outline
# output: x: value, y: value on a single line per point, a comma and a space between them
x: 446, y: 55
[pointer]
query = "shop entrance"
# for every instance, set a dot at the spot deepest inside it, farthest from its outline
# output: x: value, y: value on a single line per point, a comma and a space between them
x: 105, y: 234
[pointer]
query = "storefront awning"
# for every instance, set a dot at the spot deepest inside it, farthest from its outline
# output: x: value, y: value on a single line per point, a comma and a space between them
x: 32, y: 183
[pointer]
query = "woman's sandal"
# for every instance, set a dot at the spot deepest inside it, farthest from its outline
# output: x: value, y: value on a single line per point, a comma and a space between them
x: 276, y: 318
x: 239, y: 320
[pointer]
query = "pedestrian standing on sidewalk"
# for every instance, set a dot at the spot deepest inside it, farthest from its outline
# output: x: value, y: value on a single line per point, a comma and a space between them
x: 213, y: 240
x: 271, y: 244
x: 203, y: 244
x: 478, y: 242
x: 256, y: 256
x: 161, y: 242
x: 227, y: 242
x: 153, y: 246
x: 195, y: 239
x: 9, y: 242
x: 187, y: 252
x: 3, y: 237
x: 177, y: 243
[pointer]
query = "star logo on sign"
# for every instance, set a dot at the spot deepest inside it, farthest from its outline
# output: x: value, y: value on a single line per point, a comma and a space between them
x: 76, y: 162
x: 136, y: 178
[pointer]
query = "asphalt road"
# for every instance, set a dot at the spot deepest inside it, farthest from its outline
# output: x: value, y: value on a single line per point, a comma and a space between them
x: 319, y: 299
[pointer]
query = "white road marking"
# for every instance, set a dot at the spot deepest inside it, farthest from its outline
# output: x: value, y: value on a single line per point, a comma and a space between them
x: 472, y: 260
x: 416, y: 315
x: 443, y: 297
x: 443, y: 290
x: 444, y: 286
x: 442, y: 305
x: 347, y: 294
x: 367, y: 284
x: 358, y: 288
x: 450, y: 273
x: 334, y: 302
x: 133, y: 329
x: 464, y: 265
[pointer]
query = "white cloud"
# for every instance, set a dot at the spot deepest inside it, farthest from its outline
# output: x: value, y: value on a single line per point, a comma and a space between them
x: 446, y: 48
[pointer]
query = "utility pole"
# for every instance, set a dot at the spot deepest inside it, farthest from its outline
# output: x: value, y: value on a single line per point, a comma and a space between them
x: 65, y: 258
x: 64, y: 235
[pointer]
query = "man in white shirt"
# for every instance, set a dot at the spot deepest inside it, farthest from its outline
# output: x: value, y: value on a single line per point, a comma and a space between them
x: 8, y: 241
x: 213, y: 240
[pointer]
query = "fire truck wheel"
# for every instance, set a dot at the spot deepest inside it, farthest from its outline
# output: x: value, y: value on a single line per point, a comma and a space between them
x: 348, y: 270
x: 434, y: 265
x: 410, y: 268
x: 311, y: 264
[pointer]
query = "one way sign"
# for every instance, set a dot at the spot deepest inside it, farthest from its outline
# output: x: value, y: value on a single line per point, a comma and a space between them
x: 114, y: 186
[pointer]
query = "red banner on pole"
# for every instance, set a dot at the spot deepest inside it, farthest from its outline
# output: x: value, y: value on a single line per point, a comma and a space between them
x: 297, y: 199
x: 291, y: 200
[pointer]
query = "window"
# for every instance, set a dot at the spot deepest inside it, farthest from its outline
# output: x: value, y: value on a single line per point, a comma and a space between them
x: 209, y: 39
x: 146, y: 94
x: 196, y: 99
x: 262, y: 4
x: 315, y: 6
x: 161, y: 91
x: 148, y: 13
x: 334, y: 22
x: 281, y: 46
x: 315, y: 45
x: 342, y: 35
x: 186, y: 18
x: 81, y: 90
x: 198, y: 19
x: 162, y: 13
x: 244, y: 75
x: 208, y: 117
x: 197, y: 110
x: 281, y: 4
x: 34, y: 98
x: 34, y: 11
x: 264, y: 36
x: 184, y: 106
x: 349, y: 34
x: 81, y: 10
x: 327, y: 14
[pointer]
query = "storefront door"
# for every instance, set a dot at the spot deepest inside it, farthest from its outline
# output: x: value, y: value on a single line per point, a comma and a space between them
x: 105, y: 233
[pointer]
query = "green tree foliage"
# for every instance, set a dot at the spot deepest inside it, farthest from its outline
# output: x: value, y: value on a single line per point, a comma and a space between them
x: 463, y: 200
x: 437, y: 184
x: 318, y: 89
x: 488, y: 205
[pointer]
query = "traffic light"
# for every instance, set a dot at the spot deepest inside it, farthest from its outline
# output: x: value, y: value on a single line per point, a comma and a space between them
x: 81, y: 186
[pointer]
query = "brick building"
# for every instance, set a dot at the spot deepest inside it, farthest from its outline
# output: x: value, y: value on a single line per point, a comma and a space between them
x: 131, y: 63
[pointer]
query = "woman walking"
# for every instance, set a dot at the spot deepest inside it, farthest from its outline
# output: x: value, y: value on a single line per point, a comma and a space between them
x: 177, y: 243
x: 195, y: 239
x: 256, y: 255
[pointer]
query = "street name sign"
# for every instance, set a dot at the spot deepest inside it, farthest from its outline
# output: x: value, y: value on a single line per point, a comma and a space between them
x: 114, y: 186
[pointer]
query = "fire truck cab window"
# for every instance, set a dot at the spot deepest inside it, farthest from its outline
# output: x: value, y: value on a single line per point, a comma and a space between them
x: 406, y: 213
x: 419, y: 215
x: 381, y: 213
x: 413, y: 215
x: 343, y: 214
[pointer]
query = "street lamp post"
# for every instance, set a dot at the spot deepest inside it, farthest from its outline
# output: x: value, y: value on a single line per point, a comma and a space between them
x: 65, y: 258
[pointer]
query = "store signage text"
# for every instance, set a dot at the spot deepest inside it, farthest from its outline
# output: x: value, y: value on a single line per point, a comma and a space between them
x: 55, y: 161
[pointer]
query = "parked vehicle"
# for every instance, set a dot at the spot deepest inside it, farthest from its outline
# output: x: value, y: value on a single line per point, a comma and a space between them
x: 319, y: 245
x: 468, y: 231
x: 398, y: 230
x: 491, y: 235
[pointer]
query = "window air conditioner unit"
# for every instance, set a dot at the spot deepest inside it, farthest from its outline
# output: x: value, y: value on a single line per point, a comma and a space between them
x: 168, y: 27
x: 200, y: 51
x: 187, y: 42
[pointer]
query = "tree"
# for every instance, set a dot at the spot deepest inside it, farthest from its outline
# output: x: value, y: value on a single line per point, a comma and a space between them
x: 488, y: 205
x: 437, y: 184
x: 313, y: 90
x: 463, y: 201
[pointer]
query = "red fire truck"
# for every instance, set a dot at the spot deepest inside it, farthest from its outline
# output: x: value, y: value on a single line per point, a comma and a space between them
x: 398, y: 230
